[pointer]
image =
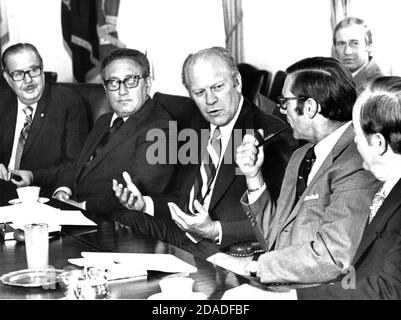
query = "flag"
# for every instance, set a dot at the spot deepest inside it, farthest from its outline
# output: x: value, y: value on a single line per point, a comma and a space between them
x: 79, y: 26
x: 107, y: 27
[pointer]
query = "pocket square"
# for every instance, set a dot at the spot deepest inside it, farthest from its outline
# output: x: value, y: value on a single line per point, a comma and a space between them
x: 311, y: 197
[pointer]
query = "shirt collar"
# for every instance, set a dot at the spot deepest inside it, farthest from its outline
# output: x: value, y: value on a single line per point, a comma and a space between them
x: 326, y: 145
x: 114, y: 117
x: 228, y: 128
x: 21, y: 106
x: 356, y: 72
x: 390, y: 183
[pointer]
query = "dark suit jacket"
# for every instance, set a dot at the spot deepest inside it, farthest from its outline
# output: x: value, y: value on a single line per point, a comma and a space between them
x: 225, y: 202
x: 56, y: 136
x: 127, y: 151
x: 377, y: 261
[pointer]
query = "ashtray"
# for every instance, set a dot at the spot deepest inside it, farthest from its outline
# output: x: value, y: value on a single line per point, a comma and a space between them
x: 46, y: 278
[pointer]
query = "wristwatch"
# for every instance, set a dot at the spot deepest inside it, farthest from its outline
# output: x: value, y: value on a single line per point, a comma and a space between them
x: 253, y: 266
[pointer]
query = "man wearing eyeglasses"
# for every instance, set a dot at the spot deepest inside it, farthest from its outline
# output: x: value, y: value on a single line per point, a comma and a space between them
x: 314, y: 229
x: 352, y: 41
x: 42, y: 126
x: 118, y: 142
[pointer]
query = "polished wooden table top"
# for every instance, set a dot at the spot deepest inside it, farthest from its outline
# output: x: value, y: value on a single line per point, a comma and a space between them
x: 109, y: 236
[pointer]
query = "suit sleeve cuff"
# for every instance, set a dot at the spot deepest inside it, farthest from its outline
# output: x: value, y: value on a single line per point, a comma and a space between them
x: 65, y: 189
x: 253, y: 196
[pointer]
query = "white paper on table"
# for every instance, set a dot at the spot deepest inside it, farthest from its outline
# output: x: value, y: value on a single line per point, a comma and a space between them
x: 231, y: 263
x: 146, y: 261
x: 36, y: 212
x: 74, y: 218
x: 112, y: 270
x: 248, y: 292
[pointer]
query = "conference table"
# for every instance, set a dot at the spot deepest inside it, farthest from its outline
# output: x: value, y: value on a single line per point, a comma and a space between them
x: 108, y: 236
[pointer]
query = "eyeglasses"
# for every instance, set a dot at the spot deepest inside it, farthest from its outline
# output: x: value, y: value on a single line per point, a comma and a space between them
x: 282, y: 101
x: 19, y: 75
x: 353, y: 44
x: 129, y: 82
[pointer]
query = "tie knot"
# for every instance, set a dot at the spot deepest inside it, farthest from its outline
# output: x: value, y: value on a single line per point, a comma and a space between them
x: 117, y: 123
x: 310, y: 155
x: 216, y: 134
x: 28, y: 111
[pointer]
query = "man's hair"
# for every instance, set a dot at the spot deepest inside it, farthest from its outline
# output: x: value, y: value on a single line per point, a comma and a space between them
x: 17, y: 48
x: 381, y: 110
x: 328, y: 82
x: 125, y: 53
x: 349, y: 21
x: 219, y: 52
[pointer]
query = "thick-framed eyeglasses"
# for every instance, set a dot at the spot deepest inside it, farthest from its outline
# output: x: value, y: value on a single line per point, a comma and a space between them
x: 282, y: 101
x: 19, y: 75
x: 129, y: 82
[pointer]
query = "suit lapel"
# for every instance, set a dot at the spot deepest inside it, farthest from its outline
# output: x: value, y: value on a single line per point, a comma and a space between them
x: 8, y: 122
x: 38, y: 120
x: 227, y: 172
x: 390, y: 205
x: 98, y: 132
x: 342, y: 143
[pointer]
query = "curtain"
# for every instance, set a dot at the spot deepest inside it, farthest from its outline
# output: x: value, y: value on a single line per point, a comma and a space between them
x: 107, y: 13
x: 340, y: 9
x: 233, y: 25
x: 4, y: 35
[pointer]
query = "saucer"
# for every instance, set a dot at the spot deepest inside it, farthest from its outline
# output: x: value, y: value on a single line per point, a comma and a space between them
x: 192, y: 296
x: 17, y: 201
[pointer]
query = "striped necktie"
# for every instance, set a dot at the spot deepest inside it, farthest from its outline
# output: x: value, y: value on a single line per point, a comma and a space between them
x: 207, y: 171
x: 376, y: 203
x: 28, y: 110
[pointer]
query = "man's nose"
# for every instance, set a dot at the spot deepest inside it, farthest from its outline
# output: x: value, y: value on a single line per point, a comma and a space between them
x: 210, y: 97
x: 348, y: 49
x: 283, y: 111
x: 27, y: 78
x: 122, y: 90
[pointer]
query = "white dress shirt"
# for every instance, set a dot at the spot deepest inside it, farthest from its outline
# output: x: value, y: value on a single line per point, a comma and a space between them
x: 322, y: 150
x: 226, y: 132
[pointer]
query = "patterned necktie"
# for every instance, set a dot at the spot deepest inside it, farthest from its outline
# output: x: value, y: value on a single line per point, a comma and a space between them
x: 28, y: 110
x: 376, y: 203
x: 207, y: 171
x: 303, y: 173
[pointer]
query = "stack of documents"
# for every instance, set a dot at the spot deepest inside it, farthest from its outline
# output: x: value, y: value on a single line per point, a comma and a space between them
x: 18, y: 215
x: 129, y: 265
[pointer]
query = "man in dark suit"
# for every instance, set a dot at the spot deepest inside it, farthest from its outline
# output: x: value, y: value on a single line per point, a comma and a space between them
x: 203, y: 214
x: 118, y: 142
x: 376, y: 271
x: 42, y: 127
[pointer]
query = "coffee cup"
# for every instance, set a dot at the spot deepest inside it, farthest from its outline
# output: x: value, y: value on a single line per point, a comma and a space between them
x: 177, y: 287
x: 28, y: 194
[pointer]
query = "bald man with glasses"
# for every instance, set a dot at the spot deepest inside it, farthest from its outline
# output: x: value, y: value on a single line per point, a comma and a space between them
x: 42, y: 126
x: 118, y: 141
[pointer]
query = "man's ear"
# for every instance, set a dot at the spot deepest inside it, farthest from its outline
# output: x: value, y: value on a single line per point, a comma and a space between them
x: 7, y: 77
x: 238, y: 81
x: 311, y: 108
x: 380, y: 144
x: 148, y: 84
